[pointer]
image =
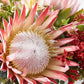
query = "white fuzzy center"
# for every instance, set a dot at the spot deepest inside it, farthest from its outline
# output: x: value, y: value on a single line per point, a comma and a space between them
x: 33, y: 52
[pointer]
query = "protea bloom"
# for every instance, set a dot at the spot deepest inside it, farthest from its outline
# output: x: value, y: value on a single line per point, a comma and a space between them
x: 29, y: 51
x: 61, y: 4
x: 30, y: 3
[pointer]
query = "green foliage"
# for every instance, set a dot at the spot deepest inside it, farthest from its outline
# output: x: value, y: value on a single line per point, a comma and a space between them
x: 55, y: 27
x: 62, y: 17
x: 8, y: 82
x: 6, y: 10
x: 57, y: 81
x: 3, y: 81
x: 81, y: 72
x: 12, y: 3
x: 80, y: 27
x: 65, y: 21
x: 17, y: 0
x: 61, y: 82
x: 77, y: 13
x: 3, y: 77
x: 0, y: 1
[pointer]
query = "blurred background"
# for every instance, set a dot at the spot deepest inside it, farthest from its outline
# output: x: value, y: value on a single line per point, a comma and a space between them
x: 81, y: 4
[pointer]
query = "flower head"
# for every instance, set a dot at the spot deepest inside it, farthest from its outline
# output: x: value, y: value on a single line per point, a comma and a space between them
x: 29, y: 50
x: 62, y: 4
x: 29, y: 4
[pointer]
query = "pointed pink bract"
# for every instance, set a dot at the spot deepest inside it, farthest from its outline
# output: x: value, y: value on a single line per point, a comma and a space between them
x: 9, y: 28
x: 61, y: 30
x: 23, y: 14
x: 64, y: 41
x: 5, y: 24
x: 16, y: 17
x: 31, y: 81
x: 9, y: 73
x: 67, y: 48
x: 4, y: 67
x: 55, y: 75
x: 30, y: 18
x: 43, y: 80
x: 10, y: 20
x: 71, y: 63
x: 2, y: 33
x: 12, y: 78
x: 42, y: 16
x: 50, y: 19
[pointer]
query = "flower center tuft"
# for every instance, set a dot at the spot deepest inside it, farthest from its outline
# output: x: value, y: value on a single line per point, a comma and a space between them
x: 33, y: 52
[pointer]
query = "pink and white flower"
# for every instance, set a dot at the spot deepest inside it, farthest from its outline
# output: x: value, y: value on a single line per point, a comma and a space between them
x: 29, y: 49
x: 62, y: 4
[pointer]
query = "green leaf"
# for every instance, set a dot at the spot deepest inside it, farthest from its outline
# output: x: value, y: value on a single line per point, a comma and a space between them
x: 54, y: 27
x: 12, y: 3
x: 63, y: 14
x: 65, y: 22
x: 57, y: 81
x: 61, y: 82
x: 9, y: 82
x: 17, y: 0
x: 81, y: 27
x: 3, y: 14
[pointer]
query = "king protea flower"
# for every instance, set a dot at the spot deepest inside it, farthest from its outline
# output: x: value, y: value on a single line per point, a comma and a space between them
x: 62, y: 4
x: 29, y: 49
